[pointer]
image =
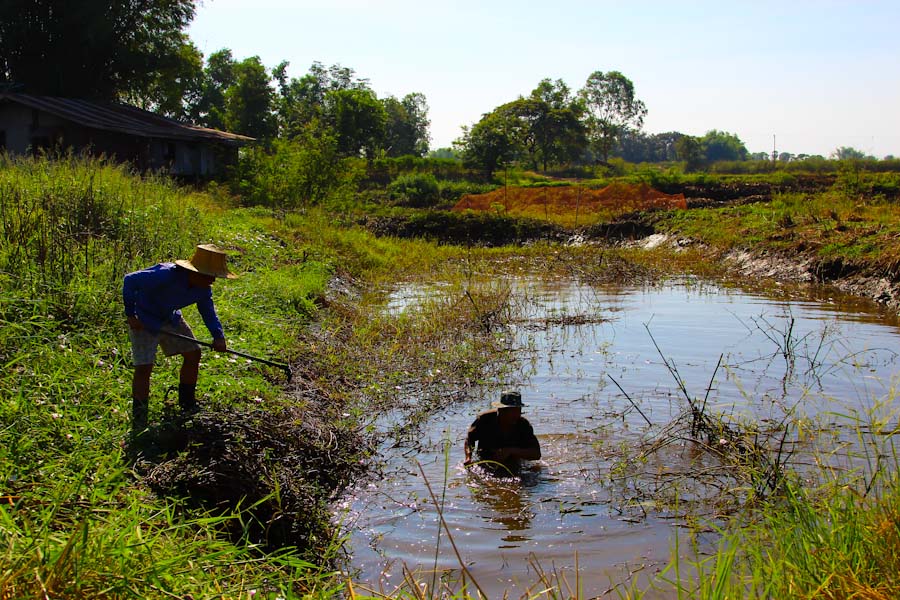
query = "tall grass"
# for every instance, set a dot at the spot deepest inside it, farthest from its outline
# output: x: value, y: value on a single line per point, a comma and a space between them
x: 835, y: 542
x: 74, y: 521
x: 66, y: 221
x: 833, y: 532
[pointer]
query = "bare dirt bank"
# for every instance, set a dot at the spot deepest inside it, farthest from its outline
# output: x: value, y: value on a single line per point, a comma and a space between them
x: 801, y: 268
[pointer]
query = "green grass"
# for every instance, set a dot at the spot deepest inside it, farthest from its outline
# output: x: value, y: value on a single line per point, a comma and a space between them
x: 827, y: 226
x: 831, y: 543
x: 74, y: 520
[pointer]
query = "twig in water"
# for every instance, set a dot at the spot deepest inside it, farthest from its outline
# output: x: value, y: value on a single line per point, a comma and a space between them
x: 709, y: 387
x: 672, y: 370
x: 630, y: 400
x: 437, y: 547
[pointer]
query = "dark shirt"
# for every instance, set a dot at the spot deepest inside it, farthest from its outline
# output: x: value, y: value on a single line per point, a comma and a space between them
x: 486, y: 431
x: 157, y: 294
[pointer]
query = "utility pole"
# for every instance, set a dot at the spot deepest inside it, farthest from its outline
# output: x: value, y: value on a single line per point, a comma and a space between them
x: 774, y: 151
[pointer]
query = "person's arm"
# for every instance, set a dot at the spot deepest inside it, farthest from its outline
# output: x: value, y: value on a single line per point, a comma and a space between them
x: 208, y: 311
x: 130, y: 288
x: 471, y: 442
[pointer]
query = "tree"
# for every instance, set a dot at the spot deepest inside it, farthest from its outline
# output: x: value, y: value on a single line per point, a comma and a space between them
x: 358, y: 120
x: 218, y: 76
x: 249, y: 101
x: 550, y: 128
x: 636, y: 147
x: 97, y: 49
x: 236, y: 96
x: 690, y: 150
x: 719, y: 145
x: 848, y: 153
x: 406, y: 127
x: 612, y: 109
x: 490, y: 143
x: 302, y: 100
x: 176, y: 88
x: 445, y: 153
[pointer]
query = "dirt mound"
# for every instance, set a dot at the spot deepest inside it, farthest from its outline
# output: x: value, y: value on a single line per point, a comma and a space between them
x: 616, y: 198
x: 279, y: 469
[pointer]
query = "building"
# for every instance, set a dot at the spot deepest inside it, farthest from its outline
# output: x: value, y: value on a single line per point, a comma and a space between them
x: 29, y: 124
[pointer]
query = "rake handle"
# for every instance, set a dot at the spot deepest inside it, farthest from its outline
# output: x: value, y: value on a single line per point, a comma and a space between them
x: 284, y: 367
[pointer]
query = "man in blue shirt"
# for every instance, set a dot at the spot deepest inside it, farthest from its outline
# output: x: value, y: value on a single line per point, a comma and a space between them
x: 153, y: 299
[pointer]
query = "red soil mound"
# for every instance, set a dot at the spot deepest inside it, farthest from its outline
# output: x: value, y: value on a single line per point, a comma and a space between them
x: 617, y: 197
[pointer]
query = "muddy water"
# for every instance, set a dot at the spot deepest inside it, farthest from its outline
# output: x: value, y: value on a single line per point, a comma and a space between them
x: 817, y: 356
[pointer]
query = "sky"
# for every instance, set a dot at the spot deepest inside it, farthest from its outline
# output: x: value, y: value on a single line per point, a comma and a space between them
x: 799, y: 76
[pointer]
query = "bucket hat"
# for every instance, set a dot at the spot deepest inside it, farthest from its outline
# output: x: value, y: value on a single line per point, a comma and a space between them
x: 509, y: 399
x: 208, y: 259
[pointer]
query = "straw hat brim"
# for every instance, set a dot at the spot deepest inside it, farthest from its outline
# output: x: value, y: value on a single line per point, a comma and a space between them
x: 219, y: 274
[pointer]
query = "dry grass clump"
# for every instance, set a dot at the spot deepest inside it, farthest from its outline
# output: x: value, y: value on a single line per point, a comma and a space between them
x: 276, y: 469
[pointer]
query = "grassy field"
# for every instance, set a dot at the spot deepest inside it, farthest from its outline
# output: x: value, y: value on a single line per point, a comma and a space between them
x: 86, y: 513
x: 834, y: 227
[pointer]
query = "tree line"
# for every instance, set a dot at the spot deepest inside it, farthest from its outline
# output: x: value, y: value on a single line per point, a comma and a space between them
x: 137, y: 51
x: 554, y: 126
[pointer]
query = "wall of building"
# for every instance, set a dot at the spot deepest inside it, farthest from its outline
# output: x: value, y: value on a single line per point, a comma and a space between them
x: 24, y: 130
x: 15, y: 130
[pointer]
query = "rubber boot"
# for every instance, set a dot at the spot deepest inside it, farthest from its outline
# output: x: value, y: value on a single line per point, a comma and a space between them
x: 187, y: 398
x: 139, y: 410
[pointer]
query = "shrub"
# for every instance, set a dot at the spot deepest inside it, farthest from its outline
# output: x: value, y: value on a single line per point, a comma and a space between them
x: 452, y: 191
x: 419, y: 190
x: 292, y: 174
x: 384, y: 170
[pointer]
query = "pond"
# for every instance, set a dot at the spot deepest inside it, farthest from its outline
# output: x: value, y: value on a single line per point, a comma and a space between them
x: 599, y: 374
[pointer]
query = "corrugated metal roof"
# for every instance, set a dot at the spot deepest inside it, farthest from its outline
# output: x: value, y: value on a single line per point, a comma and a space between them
x: 122, y: 118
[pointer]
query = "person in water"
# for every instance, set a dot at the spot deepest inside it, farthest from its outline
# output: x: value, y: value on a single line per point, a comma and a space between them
x: 502, y: 434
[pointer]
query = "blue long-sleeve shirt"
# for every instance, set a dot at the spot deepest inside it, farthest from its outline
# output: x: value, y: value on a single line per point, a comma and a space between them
x: 157, y: 294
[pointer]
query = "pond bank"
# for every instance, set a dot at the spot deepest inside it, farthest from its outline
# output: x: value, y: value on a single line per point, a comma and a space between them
x: 747, y: 263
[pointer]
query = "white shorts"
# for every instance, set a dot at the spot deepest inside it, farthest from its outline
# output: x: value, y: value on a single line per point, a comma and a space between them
x: 144, y: 343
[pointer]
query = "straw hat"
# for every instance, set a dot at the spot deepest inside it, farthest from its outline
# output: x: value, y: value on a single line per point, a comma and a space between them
x: 208, y: 259
x: 509, y: 399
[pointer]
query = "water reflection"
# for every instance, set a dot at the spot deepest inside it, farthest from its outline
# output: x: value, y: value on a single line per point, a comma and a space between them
x: 504, y: 499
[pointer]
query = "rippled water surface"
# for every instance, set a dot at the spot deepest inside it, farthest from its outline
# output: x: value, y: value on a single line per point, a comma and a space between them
x: 815, y: 356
